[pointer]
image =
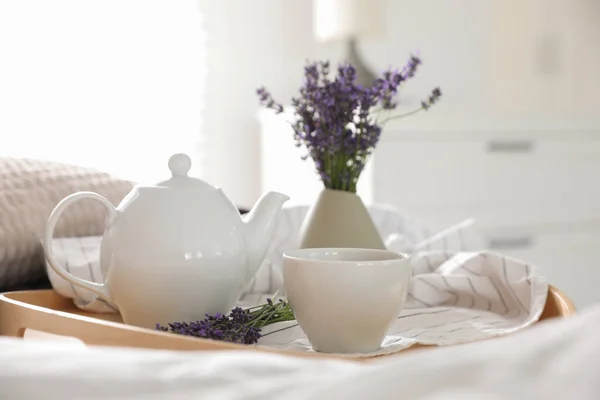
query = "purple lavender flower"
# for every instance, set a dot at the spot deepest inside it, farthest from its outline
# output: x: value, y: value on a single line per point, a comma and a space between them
x: 335, y: 121
x: 432, y: 99
x: 411, y: 67
x: 267, y: 101
x: 240, y: 326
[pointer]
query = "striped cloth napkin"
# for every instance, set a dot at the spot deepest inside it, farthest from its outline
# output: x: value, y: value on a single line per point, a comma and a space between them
x: 458, y: 294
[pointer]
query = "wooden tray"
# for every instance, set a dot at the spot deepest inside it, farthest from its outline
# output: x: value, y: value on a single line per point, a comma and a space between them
x: 46, y: 311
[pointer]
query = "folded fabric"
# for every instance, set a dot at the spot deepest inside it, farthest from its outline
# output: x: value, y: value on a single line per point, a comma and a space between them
x: 29, y: 190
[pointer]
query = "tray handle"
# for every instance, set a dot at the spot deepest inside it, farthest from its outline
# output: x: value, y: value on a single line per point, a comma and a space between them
x: 97, y: 288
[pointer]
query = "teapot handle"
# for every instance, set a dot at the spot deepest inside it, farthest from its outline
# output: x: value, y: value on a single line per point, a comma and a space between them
x: 97, y: 288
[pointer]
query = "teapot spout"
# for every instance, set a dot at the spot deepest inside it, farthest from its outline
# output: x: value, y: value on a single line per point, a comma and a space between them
x: 260, y: 225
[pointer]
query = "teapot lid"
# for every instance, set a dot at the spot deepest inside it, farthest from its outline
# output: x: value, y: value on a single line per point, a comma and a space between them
x: 180, y: 165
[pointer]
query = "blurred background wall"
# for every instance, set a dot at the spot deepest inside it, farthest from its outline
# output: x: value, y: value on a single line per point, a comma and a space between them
x: 512, y: 62
x: 120, y: 85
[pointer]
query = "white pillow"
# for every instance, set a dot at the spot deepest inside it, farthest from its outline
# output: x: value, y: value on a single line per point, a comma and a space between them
x: 29, y: 191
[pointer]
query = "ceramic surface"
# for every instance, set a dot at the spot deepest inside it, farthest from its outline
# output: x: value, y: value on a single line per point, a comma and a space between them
x: 339, y: 219
x: 175, y: 251
x: 345, y: 300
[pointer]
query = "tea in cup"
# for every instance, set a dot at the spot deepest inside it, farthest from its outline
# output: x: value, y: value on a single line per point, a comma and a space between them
x: 346, y: 300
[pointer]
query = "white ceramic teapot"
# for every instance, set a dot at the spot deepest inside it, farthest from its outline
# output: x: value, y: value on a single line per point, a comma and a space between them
x: 175, y: 251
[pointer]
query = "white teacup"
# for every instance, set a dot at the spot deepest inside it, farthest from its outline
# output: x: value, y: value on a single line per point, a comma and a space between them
x: 346, y: 300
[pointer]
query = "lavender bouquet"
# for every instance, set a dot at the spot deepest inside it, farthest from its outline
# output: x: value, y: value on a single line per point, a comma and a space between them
x: 240, y: 326
x: 339, y: 122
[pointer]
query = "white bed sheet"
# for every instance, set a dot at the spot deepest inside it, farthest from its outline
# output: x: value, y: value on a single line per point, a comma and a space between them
x: 553, y: 360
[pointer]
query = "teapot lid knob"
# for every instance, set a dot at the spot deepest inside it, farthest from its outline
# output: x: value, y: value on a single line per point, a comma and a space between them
x: 180, y: 164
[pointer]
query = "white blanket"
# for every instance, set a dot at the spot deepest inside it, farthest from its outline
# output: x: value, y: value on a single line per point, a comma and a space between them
x: 553, y: 360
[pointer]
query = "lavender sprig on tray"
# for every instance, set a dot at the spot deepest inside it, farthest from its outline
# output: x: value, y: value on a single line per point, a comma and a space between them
x: 337, y: 120
x: 240, y: 326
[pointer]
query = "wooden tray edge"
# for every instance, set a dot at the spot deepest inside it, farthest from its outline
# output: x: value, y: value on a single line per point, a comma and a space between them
x: 16, y: 316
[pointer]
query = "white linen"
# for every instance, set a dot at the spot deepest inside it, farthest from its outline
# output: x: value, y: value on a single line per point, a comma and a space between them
x: 455, y: 296
x: 558, y: 359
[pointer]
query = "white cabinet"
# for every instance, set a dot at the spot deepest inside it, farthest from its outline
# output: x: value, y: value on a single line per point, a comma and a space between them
x: 535, y: 194
x: 510, y: 180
